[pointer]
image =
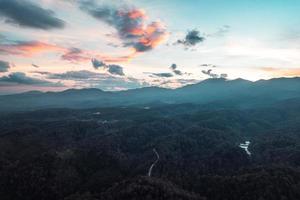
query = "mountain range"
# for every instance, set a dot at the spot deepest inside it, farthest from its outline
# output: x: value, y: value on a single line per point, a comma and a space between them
x: 237, y: 93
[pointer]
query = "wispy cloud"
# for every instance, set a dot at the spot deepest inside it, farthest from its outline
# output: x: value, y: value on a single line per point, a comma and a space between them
x: 278, y: 72
x: 20, y: 78
x: 76, y: 55
x: 85, y: 78
x: 220, y: 32
x: 28, y: 48
x: 70, y: 75
x: 173, y: 83
x: 73, y: 54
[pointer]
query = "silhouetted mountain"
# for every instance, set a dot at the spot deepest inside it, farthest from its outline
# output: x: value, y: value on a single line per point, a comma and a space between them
x: 239, y: 93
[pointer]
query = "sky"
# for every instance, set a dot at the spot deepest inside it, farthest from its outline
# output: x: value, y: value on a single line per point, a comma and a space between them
x: 53, y: 45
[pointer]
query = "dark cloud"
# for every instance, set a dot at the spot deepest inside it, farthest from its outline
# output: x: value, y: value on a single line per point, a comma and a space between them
x: 175, y: 70
x: 130, y: 24
x: 178, y: 72
x: 163, y: 75
x: 4, y: 66
x: 34, y: 65
x: 209, y: 73
x: 115, y: 69
x: 173, y: 66
x: 22, y: 79
x: 191, y: 39
x: 97, y: 63
x: 112, y: 69
x: 27, y: 14
x: 213, y: 75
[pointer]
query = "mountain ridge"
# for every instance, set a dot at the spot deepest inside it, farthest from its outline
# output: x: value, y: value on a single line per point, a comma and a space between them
x: 239, y: 92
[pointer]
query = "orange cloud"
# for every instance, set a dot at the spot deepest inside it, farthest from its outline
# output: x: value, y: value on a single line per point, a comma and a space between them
x: 137, y: 13
x: 131, y: 25
x: 155, y: 34
x: 281, y: 71
x: 29, y: 49
x: 74, y: 55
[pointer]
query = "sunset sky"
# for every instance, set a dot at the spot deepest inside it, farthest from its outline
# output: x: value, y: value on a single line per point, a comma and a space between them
x: 53, y: 45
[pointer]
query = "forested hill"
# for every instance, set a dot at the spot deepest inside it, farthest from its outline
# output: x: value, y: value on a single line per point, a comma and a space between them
x: 106, y: 153
x: 239, y: 93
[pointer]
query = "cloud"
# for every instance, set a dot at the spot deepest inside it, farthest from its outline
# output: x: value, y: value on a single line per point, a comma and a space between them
x: 85, y: 78
x: 163, y: 75
x: 174, y: 83
x: 191, y: 39
x: 130, y: 24
x: 220, y: 32
x: 4, y: 66
x: 112, y: 69
x: 176, y: 71
x: 28, y: 48
x: 75, y: 55
x: 115, y: 69
x: 97, y: 63
x: 34, y: 65
x: 113, y: 83
x: 41, y: 72
x: 27, y: 14
x: 70, y: 75
x: 209, y: 73
x: 213, y: 75
x: 279, y: 72
x: 207, y: 65
x: 20, y: 78
x: 223, y: 75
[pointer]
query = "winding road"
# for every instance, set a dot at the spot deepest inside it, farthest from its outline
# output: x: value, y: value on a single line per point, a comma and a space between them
x: 245, y: 147
x: 153, y: 164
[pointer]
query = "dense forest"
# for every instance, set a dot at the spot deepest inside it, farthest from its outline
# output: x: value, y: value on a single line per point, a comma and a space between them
x: 106, y: 152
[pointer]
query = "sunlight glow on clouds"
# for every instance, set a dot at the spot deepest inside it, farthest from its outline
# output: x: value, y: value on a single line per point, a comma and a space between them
x: 138, y: 41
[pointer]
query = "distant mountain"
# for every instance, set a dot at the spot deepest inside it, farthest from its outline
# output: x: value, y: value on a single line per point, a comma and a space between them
x: 239, y: 93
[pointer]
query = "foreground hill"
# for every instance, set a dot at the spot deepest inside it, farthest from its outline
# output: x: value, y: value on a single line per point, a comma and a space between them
x: 239, y: 93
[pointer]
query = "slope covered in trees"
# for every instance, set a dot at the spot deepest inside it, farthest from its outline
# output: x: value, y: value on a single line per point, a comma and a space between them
x: 105, y: 153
